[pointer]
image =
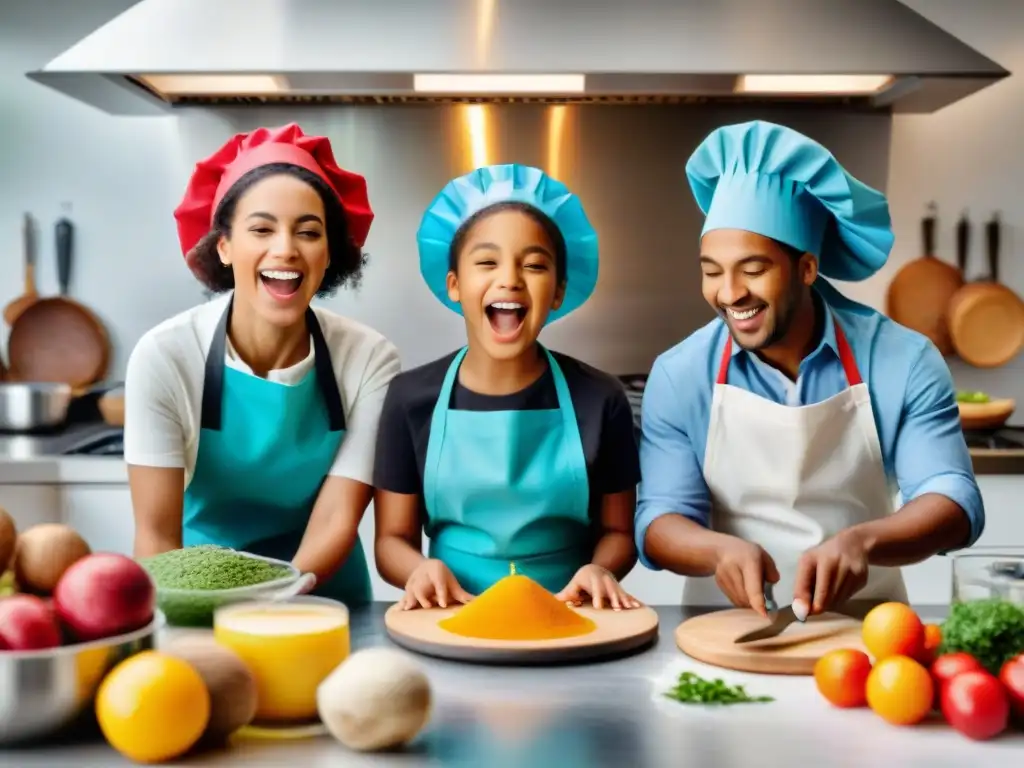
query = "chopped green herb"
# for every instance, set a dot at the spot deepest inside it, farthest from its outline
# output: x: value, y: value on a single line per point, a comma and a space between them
x: 209, y: 567
x: 694, y: 689
x: 992, y: 631
x: 199, y: 572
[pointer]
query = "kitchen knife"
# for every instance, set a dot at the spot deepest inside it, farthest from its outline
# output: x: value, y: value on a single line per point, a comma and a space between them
x: 780, y: 619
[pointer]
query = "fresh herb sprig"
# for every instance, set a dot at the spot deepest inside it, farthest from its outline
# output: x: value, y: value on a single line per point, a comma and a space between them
x: 694, y: 689
x: 991, y: 630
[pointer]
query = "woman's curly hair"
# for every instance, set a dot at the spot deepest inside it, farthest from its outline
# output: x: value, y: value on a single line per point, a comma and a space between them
x: 345, y: 259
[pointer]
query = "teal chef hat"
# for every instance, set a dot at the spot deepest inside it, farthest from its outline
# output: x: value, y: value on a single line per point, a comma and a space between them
x: 771, y: 180
x: 484, y: 187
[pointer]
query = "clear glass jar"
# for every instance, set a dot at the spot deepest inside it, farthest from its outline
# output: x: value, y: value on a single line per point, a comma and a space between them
x: 980, y: 573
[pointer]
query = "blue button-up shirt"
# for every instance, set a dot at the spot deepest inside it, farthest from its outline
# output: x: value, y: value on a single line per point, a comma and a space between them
x: 912, y: 396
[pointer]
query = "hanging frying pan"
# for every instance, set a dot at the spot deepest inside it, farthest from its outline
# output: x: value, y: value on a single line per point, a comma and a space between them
x: 986, y: 319
x: 30, y: 294
x: 57, y: 339
x: 920, y: 292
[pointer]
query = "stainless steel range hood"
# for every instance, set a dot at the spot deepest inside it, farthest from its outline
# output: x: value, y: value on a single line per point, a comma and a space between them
x: 863, y: 54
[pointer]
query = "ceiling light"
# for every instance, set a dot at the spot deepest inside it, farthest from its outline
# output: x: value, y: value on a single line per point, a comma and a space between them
x: 208, y: 85
x: 823, y: 84
x: 491, y: 84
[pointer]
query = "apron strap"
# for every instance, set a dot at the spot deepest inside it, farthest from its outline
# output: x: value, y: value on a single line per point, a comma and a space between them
x: 853, y: 377
x: 213, y: 379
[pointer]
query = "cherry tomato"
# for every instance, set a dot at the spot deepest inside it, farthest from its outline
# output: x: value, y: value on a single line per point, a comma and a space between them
x: 948, y: 666
x: 1012, y: 678
x: 976, y: 704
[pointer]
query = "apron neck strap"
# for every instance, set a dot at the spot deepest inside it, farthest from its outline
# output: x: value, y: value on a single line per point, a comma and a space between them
x: 842, y: 347
x: 213, y: 380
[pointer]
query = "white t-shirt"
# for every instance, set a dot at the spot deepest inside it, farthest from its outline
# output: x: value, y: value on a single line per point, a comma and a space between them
x: 164, y: 388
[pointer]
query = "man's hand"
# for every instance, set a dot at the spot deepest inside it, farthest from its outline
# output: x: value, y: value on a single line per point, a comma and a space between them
x: 832, y: 572
x: 741, y: 570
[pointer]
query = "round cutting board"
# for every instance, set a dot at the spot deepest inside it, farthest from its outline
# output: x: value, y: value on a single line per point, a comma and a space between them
x: 617, y: 632
x: 710, y: 638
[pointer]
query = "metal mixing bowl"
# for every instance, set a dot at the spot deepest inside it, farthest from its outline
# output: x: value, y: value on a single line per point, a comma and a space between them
x: 42, y: 692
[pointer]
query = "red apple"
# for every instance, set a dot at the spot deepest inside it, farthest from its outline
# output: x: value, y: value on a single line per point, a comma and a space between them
x: 27, y: 624
x: 104, y: 594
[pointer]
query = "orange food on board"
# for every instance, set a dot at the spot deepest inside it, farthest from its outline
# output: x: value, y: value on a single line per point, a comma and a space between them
x: 893, y: 629
x: 932, y: 641
x: 841, y: 677
x: 900, y: 690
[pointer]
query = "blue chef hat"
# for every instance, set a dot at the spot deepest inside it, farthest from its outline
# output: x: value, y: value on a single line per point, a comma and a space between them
x: 464, y: 196
x: 773, y: 181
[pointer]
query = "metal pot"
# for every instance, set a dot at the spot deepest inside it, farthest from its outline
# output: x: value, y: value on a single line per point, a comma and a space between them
x: 34, y: 406
x: 30, y: 407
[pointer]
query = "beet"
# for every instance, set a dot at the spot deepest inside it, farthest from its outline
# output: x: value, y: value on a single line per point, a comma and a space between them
x: 27, y: 624
x: 103, y: 595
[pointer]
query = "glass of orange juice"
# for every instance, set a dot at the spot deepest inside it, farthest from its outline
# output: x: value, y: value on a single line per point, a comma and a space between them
x: 290, y: 646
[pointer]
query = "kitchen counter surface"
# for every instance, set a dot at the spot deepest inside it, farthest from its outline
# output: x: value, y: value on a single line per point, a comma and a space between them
x: 605, y: 714
x: 20, y: 464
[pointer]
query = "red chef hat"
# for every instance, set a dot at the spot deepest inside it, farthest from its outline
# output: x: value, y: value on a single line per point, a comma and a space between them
x: 215, y: 175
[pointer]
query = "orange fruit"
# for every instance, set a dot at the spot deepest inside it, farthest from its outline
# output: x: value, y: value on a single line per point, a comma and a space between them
x: 152, y: 707
x: 893, y: 629
x: 932, y: 641
x: 900, y: 690
x: 841, y: 677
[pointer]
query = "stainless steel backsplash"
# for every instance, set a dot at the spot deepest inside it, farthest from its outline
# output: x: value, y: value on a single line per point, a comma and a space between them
x: 625, y: 163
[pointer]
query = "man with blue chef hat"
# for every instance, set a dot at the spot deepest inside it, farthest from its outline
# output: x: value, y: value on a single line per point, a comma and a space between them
x: 776, y: 437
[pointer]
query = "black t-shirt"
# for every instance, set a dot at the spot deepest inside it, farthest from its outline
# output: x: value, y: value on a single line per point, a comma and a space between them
x: 602, y: 409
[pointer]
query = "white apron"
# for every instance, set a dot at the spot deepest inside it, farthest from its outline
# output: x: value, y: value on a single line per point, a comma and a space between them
x: 788, y: 478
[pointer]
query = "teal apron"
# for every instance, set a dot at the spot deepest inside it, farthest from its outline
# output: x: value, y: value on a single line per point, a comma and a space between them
x: 264, y: 451
x: 507, y: 487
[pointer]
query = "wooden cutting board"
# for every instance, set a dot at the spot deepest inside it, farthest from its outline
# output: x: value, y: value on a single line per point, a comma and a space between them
x: 710, y: 638
x: 617, y: 633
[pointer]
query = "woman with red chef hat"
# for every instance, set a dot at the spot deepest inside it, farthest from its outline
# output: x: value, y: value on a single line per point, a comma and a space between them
x: 251, y: 420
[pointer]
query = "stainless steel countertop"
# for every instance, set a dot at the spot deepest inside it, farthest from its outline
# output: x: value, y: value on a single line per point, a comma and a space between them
x: 604, y: 714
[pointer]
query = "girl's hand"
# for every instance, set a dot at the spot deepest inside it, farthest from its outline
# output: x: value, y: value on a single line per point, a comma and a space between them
x: 601, y: 586
x: 432, y: 584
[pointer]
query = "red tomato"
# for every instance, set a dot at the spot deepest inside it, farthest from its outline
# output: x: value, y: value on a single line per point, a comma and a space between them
x: 976, y: 705
x: 1012, y: 678
x: 948, y: 666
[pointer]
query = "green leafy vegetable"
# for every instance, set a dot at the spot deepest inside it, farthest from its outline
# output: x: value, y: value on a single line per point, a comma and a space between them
x: 992, y: 631
x: 972, y: 397
x: 694, y: 689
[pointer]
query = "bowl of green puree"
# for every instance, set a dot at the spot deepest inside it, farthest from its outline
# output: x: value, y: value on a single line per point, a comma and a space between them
x: 192, y: 582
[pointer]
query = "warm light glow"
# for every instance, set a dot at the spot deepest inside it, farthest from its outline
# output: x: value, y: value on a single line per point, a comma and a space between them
x: 556, y: 130
x: 476, y: 123
x: 461, y: 84
x: 485, y: 14
x: 200, y: 85
x: 824, y: 84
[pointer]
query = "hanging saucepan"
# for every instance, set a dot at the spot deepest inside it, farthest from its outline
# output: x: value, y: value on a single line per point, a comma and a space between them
x: 920, y: 292
x: 986, y: 319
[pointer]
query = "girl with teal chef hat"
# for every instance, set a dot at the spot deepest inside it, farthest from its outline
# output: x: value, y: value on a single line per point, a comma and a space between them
x: 505, y: 453
x: 251, y: 420
x: 774, y: 438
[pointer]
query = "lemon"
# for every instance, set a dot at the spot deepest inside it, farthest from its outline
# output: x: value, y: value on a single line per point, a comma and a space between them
x: 152, y: 707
